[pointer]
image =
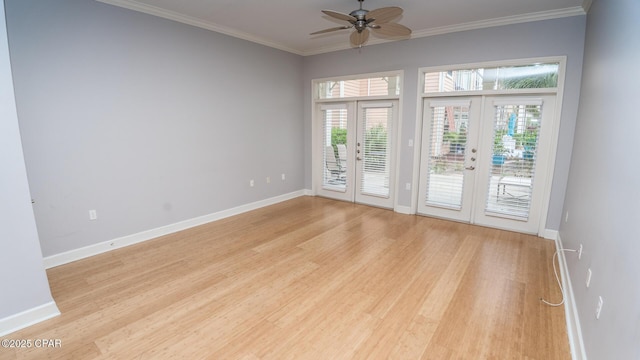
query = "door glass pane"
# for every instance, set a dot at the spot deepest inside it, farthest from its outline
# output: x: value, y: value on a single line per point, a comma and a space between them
x: 376, y: 151
x: 448, y: 142
x: 515, y: 145
x: 334, y: 149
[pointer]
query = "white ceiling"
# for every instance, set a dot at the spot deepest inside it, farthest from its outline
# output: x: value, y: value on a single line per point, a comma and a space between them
x: 286, y: 24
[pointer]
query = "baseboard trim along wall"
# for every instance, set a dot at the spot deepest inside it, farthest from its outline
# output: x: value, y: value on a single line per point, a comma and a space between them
x: 403, y: 210
x: 574, y: 331
x: 550, y: 234
x: 91, y: 250
x: 28, y: 317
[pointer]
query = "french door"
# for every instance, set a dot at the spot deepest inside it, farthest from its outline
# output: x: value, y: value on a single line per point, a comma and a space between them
x: 355, y: 157
x: 484, y: 159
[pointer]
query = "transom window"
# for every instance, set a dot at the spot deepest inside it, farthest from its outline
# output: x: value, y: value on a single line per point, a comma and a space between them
x: 530, y: 76
x: 355, y: 88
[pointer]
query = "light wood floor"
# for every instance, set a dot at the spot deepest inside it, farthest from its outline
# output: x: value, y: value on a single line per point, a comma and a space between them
x: 310, y: 278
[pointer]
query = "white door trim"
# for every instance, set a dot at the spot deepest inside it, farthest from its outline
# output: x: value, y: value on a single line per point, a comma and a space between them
x: 316, y: 158
x: 555, y: 131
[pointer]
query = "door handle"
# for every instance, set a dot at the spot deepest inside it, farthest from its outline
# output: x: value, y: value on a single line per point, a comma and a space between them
x: 358, y: 158
x: 470, y: 168
x: 473, y: 159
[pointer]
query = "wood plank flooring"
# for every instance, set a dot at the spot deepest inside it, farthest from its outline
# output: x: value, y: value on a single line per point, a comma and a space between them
x: 310, y: 278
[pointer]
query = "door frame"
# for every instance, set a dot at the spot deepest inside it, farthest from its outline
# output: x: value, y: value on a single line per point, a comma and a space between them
x: 354, y: 130
x: 480, y: 134
x: 316, y: 157
x: 558, y: 92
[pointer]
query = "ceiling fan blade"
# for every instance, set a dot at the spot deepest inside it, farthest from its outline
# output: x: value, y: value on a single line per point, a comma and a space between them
x: 385, y: 14
x: 393, y: 30
x: 359, y: 38
x: 339, y: 16
x: 330, y: 30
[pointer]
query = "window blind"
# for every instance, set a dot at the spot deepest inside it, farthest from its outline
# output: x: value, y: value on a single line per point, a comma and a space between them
x: 376, y: 151
x: 448, y: 142
x: 515, y: 146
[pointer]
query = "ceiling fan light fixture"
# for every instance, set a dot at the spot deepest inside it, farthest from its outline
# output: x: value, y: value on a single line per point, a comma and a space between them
x: 362, y: 20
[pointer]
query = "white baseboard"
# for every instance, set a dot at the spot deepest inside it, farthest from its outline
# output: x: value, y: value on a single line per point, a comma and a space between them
x: 403, y: 210
x: 574, y: 331
x: 28, y: 317
x: 550, y: 234
x: 91, y: 250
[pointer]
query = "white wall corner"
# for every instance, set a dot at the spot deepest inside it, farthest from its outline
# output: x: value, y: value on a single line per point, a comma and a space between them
x: 99, y: 248
x: 28, y: 317
x: 574, y: 331
x: 308, y: 192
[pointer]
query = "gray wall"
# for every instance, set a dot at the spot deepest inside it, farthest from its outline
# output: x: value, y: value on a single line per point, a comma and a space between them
x: 561, y: 37
x: 22, y: 275
x: 146, y: 120
x: 151, y: 122
x: 602, y: 194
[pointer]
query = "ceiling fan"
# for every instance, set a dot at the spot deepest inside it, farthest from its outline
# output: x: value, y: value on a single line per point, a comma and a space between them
x: 361, y: 20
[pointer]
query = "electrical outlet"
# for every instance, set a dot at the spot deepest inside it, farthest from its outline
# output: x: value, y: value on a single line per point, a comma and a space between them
x: 410, y: 143
x: 251, y: 183
x: 283, y: 177
x: 588, y: 280
x: 599, y: 307
x: 580, y: 252
x: 93, y: 215
x: 268, y: 180
x: 407, y: 186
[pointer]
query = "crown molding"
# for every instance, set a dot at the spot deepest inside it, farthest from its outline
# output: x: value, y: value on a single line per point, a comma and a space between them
x: 508, y: 20
x: 189, y: 20
x: 475, y: 25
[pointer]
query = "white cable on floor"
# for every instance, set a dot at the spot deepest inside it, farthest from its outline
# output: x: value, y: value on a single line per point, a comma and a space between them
x: 555, y: 272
